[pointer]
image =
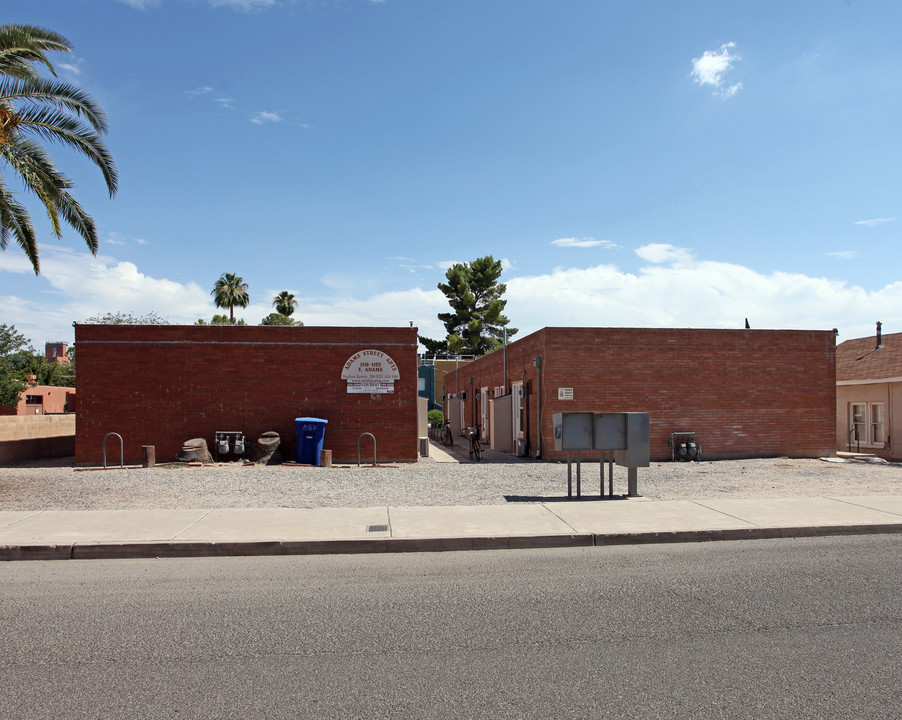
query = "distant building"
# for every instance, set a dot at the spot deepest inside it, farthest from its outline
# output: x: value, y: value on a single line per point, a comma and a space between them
x: 42, y: 400
x: 57, y: 352
x: 431, y: 376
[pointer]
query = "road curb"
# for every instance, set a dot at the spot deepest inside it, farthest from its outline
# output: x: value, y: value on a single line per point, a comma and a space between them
x: 148, y: 550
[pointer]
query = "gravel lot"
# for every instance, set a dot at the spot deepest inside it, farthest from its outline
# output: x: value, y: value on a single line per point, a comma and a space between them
x: 495, y: 481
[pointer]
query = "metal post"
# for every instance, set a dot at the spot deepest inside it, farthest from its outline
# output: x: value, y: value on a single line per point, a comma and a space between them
x: 633, y: 481
x: 504, y: 360
x: 537, y: 361
x: 601, y: 473
x: 611, y: 473
x: 121, y: 449
x: 358, y: 448
x: 579, y: 490
x: 569, y: 477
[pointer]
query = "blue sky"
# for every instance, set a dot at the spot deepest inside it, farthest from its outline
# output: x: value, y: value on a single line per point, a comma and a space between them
x: 633, y: 163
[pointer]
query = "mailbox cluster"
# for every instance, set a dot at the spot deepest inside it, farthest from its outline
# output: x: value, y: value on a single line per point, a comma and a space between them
x: 626, y: 434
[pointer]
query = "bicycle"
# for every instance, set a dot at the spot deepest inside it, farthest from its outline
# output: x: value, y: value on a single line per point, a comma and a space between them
x: 447, y: 437
x: 475, y: 447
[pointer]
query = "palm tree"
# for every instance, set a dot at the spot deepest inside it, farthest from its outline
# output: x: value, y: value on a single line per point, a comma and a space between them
x: 36, y: 108
x: 284, y: 303
x: 230, y: 291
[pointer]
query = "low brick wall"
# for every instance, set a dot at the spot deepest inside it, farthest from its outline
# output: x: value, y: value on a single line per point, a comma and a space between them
x: 33, y: 437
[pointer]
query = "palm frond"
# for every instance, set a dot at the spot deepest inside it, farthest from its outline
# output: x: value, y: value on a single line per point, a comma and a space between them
x: 81, y: 222
x: 15, y: 222
x: 62, y: 95
x: 57, y: 126
x: 21, y: 46
x: 33, y: 108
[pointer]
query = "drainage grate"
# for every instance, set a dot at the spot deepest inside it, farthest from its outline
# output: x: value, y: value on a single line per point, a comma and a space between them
x: 377, y: 528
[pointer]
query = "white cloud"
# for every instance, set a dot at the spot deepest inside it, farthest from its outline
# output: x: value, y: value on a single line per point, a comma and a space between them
x: 445, y: 264
x: 696, y: 294
x: 265, y: 117
x: 82, y: 286
x: 712, y: 67
x: 74, y: 67
x: 663, y: 252
x: 246, y: 5
x: 875, y: 221
x: 672, y: 290
x: 844, y: 254
x: 583, y: 242
x: 116, y: 238
x: 198, y: 92
x: 140, y: 4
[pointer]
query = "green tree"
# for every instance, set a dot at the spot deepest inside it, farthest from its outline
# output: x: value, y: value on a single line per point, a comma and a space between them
x: 12, y: 341
x: 285, y: 303
x: 18, y: 360
x: 13, y: 345
x: 280, y: 319
x: 230, y: 291
x: 121, y: 318
x: 220, y: 320
x: 476, y: 324
x: 34, y: 109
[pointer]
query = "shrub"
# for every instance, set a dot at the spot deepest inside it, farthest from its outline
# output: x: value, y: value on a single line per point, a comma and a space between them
x: 436, y: 418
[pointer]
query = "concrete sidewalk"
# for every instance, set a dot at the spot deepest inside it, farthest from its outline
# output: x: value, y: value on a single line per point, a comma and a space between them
x: 57, y: 535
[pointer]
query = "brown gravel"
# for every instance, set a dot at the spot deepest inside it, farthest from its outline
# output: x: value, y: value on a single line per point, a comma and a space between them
x: 59, y: 486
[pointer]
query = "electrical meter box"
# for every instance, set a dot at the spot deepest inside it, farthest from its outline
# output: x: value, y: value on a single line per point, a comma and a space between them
x: 573, y: 430
x: 610, y: 431
x: 637, y: 451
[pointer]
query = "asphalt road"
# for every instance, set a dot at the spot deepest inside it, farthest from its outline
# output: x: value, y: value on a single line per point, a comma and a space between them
x: 766, y: 629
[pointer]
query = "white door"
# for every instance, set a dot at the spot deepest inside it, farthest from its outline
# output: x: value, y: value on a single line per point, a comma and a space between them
x: 519, y: 412
x: 484, y: 414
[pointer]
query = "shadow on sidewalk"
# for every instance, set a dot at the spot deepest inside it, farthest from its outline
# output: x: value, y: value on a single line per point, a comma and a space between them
x: 561, y: 498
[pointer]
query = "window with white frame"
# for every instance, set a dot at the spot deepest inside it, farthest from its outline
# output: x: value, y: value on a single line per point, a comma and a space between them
x: 867, y: 425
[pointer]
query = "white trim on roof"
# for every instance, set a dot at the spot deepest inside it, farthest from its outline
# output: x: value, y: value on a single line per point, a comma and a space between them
x: 869, y: 382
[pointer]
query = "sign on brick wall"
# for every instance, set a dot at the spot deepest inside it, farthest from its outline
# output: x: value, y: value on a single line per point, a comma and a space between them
x: 370, y: 371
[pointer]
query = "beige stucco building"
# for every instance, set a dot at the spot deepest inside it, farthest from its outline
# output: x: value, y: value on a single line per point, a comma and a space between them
x: 869, y: 395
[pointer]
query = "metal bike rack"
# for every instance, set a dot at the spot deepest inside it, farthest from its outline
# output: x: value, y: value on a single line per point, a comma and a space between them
x: 121, y: 449
x: 374, y: 448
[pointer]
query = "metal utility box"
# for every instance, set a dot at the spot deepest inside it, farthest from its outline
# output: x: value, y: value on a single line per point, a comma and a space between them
x: 637, y: 451
x: 573, y: 430
x: 610, y: 431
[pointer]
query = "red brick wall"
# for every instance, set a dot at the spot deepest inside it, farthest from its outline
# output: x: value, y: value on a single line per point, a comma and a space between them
x: 745, y: 393
x: 163, y: 384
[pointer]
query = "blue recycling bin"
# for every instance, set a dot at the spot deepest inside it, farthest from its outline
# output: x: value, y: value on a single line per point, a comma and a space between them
x: 310, y: 432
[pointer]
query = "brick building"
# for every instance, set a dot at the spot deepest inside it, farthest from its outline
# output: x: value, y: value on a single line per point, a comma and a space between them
x: 163, y: 384
x: 744, y: 393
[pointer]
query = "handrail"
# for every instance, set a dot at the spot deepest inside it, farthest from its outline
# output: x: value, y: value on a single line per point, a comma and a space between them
x: 121, y: 449
x: 857, y: 439
x: 374, y: 448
